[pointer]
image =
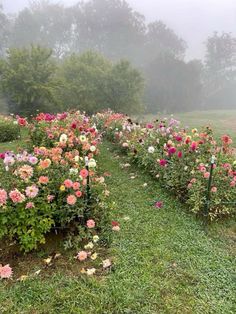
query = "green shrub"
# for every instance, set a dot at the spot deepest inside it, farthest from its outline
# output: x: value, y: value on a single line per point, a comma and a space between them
x: 8, y: 131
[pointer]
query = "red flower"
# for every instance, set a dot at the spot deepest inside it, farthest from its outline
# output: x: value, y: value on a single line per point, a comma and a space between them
x: 114, y: 223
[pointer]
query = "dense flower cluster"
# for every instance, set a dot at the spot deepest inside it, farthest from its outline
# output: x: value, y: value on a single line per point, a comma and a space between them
x: 179, y: 159
x: 48, y: 187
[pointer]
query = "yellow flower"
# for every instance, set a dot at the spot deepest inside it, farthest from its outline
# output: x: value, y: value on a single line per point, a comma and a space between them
x: 194, y: 130
x: 95, y: 238
x: 62, y: 188
x: 94, y: 256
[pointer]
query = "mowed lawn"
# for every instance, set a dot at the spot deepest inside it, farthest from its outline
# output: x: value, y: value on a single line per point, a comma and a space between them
x: 221, y: 121
x: 165, y: 260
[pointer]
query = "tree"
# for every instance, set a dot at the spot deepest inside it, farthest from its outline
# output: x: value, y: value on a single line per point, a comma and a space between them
x: 45, y: 24
x: 92, y: 83
x: 28, y: 80
x: 125, y: 88
x: 84, y: 79
x: 4, y: 31
x: 173, y: 85
x: 220, y: 70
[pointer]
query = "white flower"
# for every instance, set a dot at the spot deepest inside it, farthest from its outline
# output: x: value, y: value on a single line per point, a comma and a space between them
x: 95, y: 238
x: 145, y: 184
x: 92, y: 163
x: 186, y: 168
x: 76, y: 158
x: 106, y: 263
x: 90, y: 245
x: 73, y: 171
x: 93, y: 148
x: 91, y: 271
x: 63, y: 138
x: 151, y: 149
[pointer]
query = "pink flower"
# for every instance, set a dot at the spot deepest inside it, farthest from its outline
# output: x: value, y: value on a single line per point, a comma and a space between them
x: 5, y: 271
x: 90, y: 223
x: 78, y: 193
x: 190, y: 185
x: 159, y: 204
x: 3, y: 197
x: 76, y: 185
x: 180, y: 154
x: 178, y: 138
x: 206, y: 175
x: 82, y: 255
x: 149, y: 126
x: 171, y: 150
x: 31, y: 191
x: 43, y: 180
x: 21, y: 121
x: 50, y: 198
x: 68, y: 183
x: 232, y: 183
x: 16, y: 196
x: 71, y: 199
x: 84, y: 173
x: 29, y: 205
x: 25, y: 172
x: 193, y: 146
x: 214, y: 189
x: 163, y: 162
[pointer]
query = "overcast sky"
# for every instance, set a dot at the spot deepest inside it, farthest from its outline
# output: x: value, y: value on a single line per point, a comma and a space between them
x: 193, y: 20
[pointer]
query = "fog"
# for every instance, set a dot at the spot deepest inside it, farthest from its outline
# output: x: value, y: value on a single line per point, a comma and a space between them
x: 193, y: 20
x: 181, y: 53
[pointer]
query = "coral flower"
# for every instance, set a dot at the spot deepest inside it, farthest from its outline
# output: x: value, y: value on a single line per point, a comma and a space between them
x: 68, y: 183
x: 43, y: 180
x: 84, y: 173
x: 76, y: 185
x: 16, y: 196
x: 44, y: 164
x: 78, y: 193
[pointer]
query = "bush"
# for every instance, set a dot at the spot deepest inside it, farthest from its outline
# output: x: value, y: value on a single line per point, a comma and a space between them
x: 8, y: 130
x: 180, y: 160
x: 48, y: 187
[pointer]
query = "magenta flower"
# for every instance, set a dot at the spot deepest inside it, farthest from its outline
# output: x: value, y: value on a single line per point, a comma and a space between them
x: 171, y: 150
x: 159, y: 204
x: 163, y: 162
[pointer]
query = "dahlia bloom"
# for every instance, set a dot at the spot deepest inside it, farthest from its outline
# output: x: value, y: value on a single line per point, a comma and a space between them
x: 16, y: 196
x: 5, y: 271
x: 90, y: 223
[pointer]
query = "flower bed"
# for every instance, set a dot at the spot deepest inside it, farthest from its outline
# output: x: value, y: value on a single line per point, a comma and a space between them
x: 180, y: 160
x: 56, y: 185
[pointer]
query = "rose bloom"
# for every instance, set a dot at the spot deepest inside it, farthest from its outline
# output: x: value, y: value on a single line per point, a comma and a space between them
x: 84, y: 173
x: 16, y: 196
x: 3, y: 197
x: 78, y: 193
x: 71, y: 199
x: 90, y: 223
x: 43, y: 180
x: 68, y: 183
x: 5, y: 271
x: 82, y: 255
x: 76, y: 185
x: 45, y: 163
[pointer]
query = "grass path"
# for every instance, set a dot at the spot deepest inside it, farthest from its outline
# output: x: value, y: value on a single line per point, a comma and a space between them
x: 164, y: 262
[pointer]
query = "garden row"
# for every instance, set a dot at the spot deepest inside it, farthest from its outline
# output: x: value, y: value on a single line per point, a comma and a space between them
x: 54, y: 184
x: 190, y: 164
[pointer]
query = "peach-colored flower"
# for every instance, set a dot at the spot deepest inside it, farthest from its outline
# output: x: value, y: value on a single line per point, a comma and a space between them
x: 71, y: 199
x: 82, y: 255
x: 214, y: 189
x: 90, y: 223
x: 25, y: 172
x: 16, y: 196
x: 45, y: 163
x: 43, y: 180
x: 3, y: 197
x: 206, y: 175
x: 5, y: 271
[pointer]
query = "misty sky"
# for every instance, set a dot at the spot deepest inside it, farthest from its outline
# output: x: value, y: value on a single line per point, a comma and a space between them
x: 193, y: 20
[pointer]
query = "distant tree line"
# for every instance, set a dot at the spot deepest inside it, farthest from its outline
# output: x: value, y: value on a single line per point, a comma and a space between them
x: 111, y: 31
